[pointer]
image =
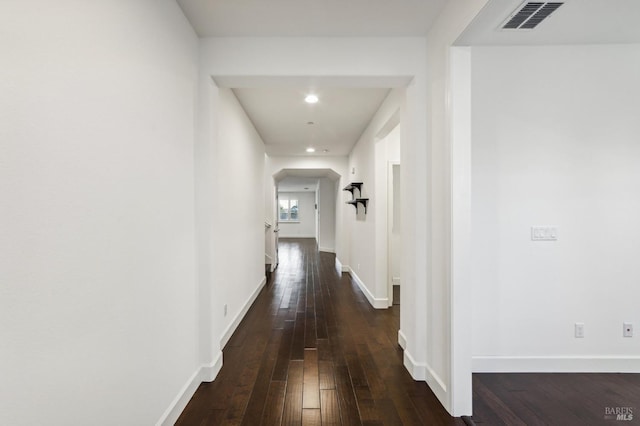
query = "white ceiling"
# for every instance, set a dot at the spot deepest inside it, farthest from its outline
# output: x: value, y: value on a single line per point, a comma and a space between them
x: 281, y: 117
x: 276, y: 107
x: 575, y: 22
x: 307, y: 18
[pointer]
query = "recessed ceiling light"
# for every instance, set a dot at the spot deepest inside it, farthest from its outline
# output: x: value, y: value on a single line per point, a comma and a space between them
x: 311, y: 99
x: 311, y: 149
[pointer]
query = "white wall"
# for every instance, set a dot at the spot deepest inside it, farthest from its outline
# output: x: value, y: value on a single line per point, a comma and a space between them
x: 234, y: 181
x: 370, y: 160
x: 395, y: 208
x: 305, y: 227
x: 446, y: 360
x: 555, y: 142
x: 98, y: 296
x: 327, y: 215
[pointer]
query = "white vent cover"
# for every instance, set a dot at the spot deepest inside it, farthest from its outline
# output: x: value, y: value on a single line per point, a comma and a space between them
x: 530, y: 14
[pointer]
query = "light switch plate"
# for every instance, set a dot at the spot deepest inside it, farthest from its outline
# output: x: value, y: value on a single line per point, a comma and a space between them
x: 544, y: 233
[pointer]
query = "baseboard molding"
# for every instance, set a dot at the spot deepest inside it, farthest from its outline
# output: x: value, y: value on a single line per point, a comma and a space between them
x: 294, y: 236
x: 206, y: 373
x: 556, y: 364
x: 346, y: 268
x: 339, y: 267
x: 418, y: 371
x: 395, y: 281
x: 327, y: 250
x: 236, y: 320
x: 377, y: 303
x: 402, y: 340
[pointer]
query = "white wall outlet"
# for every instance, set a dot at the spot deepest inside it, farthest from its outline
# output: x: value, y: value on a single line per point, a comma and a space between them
x: 627, y: 329
x: 579, y: 329
x: 544, y: 233
x: 225, y: 309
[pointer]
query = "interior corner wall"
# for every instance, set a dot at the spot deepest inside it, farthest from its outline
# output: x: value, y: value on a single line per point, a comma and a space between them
x: 98, y: 295
x: 327, y: 215
x: 561, y: 150
x: 443, y: 364
x: 305, y: 226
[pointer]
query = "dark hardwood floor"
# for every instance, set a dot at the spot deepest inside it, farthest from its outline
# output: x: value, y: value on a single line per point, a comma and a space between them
x: 312, y: 351
x: 555, y: 399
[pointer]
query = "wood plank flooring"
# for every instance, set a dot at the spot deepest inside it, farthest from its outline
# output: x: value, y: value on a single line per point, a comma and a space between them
x: 312, y: 351
x: 554, y: 398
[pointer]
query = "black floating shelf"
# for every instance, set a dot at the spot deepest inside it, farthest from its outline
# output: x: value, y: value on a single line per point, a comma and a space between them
x: 356, y: 201
x: 352, y: 186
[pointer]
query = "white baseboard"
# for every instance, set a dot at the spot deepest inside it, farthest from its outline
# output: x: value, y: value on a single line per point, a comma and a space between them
x: 395, y: 280
x: 377, y: 303
x: 402, y: 340
x: 206, y: 373
x: 327, y: 250
x: 294, y: 236
x: 236, y: 321
x: 346, y: 268
x: 418, y: 371
x: 556, y: 364
x: 423, y: 372
x: 338, y: 266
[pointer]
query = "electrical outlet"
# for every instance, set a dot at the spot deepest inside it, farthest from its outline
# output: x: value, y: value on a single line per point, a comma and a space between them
x: 579, y: 330
x: 627, y: 329
x: 225, y: 309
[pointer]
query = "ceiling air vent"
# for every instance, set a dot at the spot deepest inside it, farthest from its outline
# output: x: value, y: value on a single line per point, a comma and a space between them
x: 530, y: 14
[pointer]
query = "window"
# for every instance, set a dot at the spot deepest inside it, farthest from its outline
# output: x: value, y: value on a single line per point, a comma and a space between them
x: 289, y: 210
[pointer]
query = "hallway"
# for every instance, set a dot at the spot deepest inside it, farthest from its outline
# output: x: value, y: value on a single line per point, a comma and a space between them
x: 311, y: 351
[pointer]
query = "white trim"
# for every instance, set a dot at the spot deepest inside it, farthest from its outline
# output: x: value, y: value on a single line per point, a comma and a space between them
x: 206, y: 373
x: 436, y: 384
x: 346, y: 269
x: 236, y: 321
x: 423, y: 372
x: 339, y: 267
x: 282, y: 235
x: 377, y: 303
x: 460, y: 299
x: 327, y: 249
x: 395, y: 281
x: 402, y: 340
x: 556, y: 364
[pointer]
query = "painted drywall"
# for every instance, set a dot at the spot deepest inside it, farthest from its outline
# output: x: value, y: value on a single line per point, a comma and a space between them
x: 561, y: 150
x: 370, y: 161
x: 98, y: 296
x: 394, y: 225
x: 327, y: 191
x: 305, y: 227
x: 237, y: 222
x: 446, y: 360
